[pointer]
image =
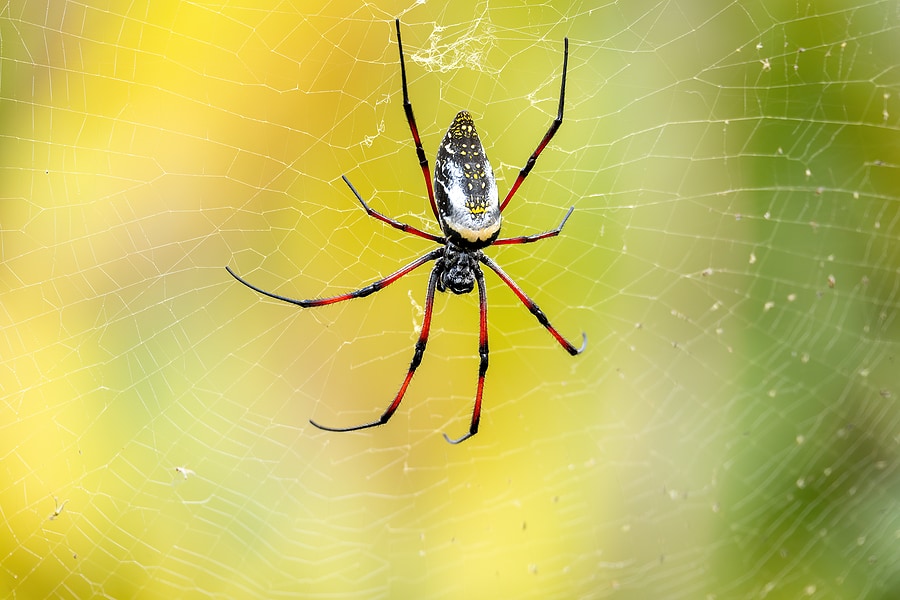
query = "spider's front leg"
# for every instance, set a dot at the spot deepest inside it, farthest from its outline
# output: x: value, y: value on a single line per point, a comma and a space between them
x: 413, y: 365
x: 483, y: 357
x: 373, y: 287
x: 534, y: 309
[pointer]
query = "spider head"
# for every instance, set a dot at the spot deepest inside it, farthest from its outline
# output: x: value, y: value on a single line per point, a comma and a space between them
x: 458, y: 270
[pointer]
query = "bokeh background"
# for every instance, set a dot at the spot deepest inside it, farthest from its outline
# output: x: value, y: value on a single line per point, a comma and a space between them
x: 731, y: 430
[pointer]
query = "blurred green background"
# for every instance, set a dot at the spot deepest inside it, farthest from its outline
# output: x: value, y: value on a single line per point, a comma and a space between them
x: 731, y: 431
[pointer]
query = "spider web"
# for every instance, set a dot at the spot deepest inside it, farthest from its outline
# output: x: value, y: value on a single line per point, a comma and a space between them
x: 731, y: 430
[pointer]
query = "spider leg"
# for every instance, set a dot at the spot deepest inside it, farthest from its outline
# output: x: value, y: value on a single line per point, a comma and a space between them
x: 527, y: 239
x: 534, y: 309
x: 413, y: 365
x: 547, y: 136
x: 392, y: 222
x: 411, y: 119
x: 483, y: 362
x: 360, y: 293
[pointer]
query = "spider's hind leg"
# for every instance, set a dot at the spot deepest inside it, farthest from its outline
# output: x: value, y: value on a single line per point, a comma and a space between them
x: 413, y: 128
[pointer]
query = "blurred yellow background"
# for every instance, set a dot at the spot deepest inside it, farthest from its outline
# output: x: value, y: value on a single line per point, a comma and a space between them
x: 730, y: 432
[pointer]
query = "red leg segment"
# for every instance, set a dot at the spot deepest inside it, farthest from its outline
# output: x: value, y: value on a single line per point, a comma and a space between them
x: 417, y: 358
x: 360, y: 293
x: 483, y: 359
x: 411, y: 119
x: 527, y: 239
x: 392, y: 222
x: 547, y: 136
x: 534, y: 308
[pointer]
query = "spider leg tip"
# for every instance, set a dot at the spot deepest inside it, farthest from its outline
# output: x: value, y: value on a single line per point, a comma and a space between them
x: 324, y: 427
x: 566, y: 218
x: 235, y: 275
x: 583, y: 344
x: 459, y: 439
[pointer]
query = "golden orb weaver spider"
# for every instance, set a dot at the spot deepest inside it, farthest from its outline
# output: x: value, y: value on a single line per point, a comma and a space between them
x: 465, y: 203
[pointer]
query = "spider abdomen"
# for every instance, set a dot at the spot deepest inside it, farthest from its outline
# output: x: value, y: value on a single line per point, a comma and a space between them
x: 464, y: 187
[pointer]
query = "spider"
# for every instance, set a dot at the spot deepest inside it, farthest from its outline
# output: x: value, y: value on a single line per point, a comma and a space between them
x: 465, y: 203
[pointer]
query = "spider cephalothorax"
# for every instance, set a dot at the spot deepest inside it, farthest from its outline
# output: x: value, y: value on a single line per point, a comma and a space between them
x: 457, y: 269
x: 465, y: 203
